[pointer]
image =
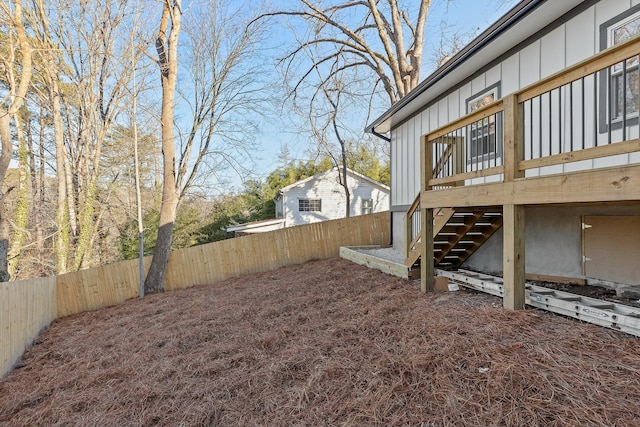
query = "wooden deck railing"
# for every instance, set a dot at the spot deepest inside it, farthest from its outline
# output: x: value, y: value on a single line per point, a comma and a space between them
x: 567, y: 117
x: 412, y: 232
x: 413, y: 229
x: 586, y: 112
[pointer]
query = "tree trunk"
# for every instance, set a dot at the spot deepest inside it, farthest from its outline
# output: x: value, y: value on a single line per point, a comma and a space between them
x: 5, y: 158
x: 343, y: 155
x: 154, y: 281
x: 18, y: 94
x: 37, y: 194
x: 167, y: 48
x: 346, y: 187
x: 21, y: 213
x: 62, y: 217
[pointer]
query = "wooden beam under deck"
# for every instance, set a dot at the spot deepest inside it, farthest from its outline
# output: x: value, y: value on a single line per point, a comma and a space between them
x: 615, y: 184
x: 513, y: 257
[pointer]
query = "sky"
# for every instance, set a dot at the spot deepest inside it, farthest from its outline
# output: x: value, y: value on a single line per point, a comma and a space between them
x: 467, y: 17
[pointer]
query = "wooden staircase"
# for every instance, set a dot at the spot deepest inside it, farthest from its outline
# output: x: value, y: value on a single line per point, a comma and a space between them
x: 465, y: 231
x: 457, y: 233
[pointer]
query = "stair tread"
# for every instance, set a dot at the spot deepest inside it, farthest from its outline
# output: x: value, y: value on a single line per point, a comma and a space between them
x: 466, y: 230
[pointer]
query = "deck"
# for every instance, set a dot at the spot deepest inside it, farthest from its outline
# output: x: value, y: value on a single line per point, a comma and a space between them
x: 563, y: 140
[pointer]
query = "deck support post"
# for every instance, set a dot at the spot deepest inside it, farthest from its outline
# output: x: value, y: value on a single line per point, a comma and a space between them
x: 427, y: 270
x: 513, y: 227
x: 513, y: 224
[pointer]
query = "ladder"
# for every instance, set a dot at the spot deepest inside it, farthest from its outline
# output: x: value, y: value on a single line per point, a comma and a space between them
x: 611, y: 315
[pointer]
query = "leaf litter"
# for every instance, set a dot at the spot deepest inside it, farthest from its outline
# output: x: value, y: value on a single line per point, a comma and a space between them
x: 326, y: 343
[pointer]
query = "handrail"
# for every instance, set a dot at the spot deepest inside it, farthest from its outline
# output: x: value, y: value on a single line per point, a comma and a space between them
x: 479, y: 114
x: 563, y: 81
x: 626, y: 147
x: 414, y: 205
x: 411, y: 235
x: 593, y: 64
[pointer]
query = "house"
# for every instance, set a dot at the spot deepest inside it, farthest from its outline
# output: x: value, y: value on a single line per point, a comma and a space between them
x: 319, y: 198
x: 521, y: 154
x: 322, y: 197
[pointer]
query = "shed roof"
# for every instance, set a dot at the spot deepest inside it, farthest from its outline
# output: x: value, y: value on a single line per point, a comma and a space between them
x: 255, y: 225
x: 351, y: 172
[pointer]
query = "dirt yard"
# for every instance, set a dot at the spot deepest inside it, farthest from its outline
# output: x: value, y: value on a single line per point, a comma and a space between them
x: 327, y: 343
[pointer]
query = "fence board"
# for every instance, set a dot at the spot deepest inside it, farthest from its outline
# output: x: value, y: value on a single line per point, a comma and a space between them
x: 26, y: 307
x: 214, y: 262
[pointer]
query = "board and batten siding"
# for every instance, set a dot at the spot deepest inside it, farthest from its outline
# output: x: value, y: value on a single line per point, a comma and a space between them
x: 571, y: 42
x: 326, y: 188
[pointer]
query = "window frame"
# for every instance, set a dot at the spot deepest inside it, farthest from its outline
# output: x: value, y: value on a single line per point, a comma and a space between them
x: 494, y: 90
x: 367, y: 206
x: 309, y: 205
x: 607, y: 76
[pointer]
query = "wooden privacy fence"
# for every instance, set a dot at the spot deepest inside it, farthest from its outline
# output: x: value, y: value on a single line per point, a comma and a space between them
x: 26, y: 307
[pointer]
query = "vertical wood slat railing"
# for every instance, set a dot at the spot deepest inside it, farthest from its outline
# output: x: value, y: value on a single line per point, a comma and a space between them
x: 412, y: 233
x: 554, y: 126
x: 413, y: 229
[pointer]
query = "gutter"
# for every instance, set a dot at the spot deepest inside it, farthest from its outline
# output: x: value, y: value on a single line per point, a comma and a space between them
x: 379, y: 135
x: 509, y: 19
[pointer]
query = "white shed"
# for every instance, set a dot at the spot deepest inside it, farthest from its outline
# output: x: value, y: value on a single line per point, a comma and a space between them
x: 321, y: 197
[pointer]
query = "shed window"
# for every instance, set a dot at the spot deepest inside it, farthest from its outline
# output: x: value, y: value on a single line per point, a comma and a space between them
x: 367, y: 206
x: 310, y: 205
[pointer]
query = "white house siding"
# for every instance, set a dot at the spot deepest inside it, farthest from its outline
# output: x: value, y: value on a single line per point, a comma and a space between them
x: 571, y: 42
x: 326, y: 188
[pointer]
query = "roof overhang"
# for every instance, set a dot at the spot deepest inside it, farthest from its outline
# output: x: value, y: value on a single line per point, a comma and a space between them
x: 530, y: 16
x: 255, y: 226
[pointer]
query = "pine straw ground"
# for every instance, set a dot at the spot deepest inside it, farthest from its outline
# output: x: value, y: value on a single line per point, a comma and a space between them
x: 327, y: 343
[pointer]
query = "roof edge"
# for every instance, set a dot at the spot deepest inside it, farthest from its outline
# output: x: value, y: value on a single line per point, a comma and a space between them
x: 349, y: 171
x: 505, y: 22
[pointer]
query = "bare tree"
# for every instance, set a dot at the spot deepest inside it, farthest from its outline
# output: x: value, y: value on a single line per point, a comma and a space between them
x: 99, y: 60
x: 51, y: 93
x: 375, y: 36
x: 321, y: 120
x: 85, y: 68
x: 225, y: 96
x: 167, y: 49
x: 17, y: 69
x: 350, y: 52
x: 229, y: 93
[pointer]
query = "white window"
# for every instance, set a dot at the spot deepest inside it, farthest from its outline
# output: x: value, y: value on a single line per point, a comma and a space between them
x: 620, y: 84
x: 482, y: 134
x: 367, y: 206
x: 310, y: 205
x: 624, y: 76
